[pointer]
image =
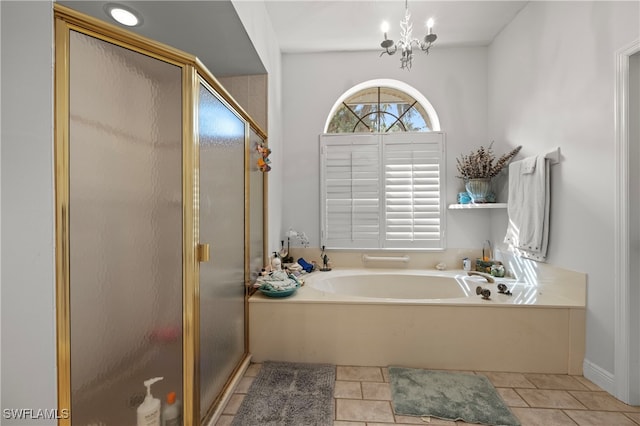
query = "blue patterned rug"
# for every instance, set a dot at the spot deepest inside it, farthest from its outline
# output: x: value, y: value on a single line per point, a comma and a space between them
x: 447, y: 395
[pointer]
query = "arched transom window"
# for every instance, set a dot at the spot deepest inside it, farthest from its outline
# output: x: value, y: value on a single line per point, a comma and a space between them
x: 382, y: 106
x: 381, y: 171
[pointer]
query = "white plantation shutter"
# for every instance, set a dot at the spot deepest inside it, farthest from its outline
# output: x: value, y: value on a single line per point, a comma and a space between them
x: 351, y: 191
x: 413, y: 206
x: 382, y: 190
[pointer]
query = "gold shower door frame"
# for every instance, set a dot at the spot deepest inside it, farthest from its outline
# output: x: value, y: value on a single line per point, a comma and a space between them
x: 193, y: 70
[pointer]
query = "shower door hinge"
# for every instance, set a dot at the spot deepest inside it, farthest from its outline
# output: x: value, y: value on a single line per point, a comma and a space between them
x: 203, y: 252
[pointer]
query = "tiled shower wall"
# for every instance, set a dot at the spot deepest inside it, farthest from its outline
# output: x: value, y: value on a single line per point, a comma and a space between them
x: 250, y: 91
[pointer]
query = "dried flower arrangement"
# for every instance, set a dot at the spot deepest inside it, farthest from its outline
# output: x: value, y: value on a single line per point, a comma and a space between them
x: 480, y: 163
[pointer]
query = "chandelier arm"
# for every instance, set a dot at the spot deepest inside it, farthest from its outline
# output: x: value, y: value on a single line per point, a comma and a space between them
x: 389, y: 52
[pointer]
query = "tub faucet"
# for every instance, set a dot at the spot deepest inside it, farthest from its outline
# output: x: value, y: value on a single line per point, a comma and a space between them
x: 488, y: 277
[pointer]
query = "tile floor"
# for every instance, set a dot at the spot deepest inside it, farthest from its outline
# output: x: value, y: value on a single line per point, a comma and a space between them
x: 363, y: 398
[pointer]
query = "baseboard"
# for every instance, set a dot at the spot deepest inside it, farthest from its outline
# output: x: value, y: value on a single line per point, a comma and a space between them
x: 599, y: 376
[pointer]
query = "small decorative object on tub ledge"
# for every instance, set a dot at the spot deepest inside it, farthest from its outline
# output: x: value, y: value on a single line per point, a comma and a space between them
x: 484, y: 292
x: 466, y: 264
x: 300, y: 236
x: 502, y: 288
x: 325, y: 261
x: 497, y: 269
x: 441, y: 266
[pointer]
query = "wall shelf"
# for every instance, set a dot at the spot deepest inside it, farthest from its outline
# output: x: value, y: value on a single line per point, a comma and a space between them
x: 478, y: 206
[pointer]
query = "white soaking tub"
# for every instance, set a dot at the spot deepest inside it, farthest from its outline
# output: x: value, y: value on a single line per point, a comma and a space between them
x: 423, y: 318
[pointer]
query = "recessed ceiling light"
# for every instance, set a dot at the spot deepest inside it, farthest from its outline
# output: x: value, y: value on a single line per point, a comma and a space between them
x: 123, y: 14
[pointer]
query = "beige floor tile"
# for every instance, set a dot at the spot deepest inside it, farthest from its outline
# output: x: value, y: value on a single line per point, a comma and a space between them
x: 588, y: 383
x: 234, y: 403
x: 634, y: 416
x: 602, y: 401
x: 377, y: 391
x: 511, y: 397
x: 385, y: 374
x: 364, y: 411
x: 543, y: 398
x: 555, y: 381
x: 349, y: 390
x: 224, y: 420
x: 542, y: 417
x: 244, y: 384
x: 507, y: 380
x: 363, y: 398
x: 363, y: 374
x: 252, y: 370
x: 599, y: 418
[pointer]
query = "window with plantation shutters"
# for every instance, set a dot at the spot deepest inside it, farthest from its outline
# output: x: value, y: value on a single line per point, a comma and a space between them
x: 382, y: 191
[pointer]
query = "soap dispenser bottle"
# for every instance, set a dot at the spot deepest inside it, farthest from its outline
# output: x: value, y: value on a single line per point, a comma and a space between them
x: 171, y: 415
x: 149, y: 411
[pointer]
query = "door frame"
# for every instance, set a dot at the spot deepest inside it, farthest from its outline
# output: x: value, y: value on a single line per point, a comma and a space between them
x: 627, y: 333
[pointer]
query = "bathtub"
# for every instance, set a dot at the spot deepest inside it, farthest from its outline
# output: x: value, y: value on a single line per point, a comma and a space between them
x: 423, y: 318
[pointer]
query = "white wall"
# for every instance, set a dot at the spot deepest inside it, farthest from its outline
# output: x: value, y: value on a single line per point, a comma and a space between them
x: 28, y: 285
x: 551, y: 83
x: 453, y: 80
x: 255, y: 19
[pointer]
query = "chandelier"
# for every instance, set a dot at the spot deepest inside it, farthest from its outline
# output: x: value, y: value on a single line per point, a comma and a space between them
x: 406, y: 42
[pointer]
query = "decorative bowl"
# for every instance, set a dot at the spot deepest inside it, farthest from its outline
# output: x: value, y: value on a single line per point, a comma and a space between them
x: 278, y: 293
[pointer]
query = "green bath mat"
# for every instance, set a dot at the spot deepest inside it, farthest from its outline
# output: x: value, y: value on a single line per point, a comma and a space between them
x: 289, y: 394
x: 447, y: 395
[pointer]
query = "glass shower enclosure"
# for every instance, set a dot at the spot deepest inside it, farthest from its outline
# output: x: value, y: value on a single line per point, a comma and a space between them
x: 125, y: 229
x: 154, y: 232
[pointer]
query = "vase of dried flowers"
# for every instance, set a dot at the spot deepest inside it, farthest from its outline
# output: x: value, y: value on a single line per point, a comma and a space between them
x: 478, y: 189
x: 478, y: 169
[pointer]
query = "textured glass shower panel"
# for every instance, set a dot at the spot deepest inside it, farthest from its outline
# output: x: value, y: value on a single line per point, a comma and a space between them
x: 256, y: 209
x: 125, y: 165
x: 222, y: 141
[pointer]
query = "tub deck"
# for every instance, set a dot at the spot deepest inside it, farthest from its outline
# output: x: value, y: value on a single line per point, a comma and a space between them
x: 540, y: 329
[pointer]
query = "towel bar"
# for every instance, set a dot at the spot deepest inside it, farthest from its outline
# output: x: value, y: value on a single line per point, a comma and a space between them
x: 367, y: 258
x: 553, y: 156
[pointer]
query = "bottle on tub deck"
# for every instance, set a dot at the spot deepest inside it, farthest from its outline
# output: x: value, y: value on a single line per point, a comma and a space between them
x: 466, y: 264
x: 276, y: 264
x: 149, y: 411
x: 171, y: 413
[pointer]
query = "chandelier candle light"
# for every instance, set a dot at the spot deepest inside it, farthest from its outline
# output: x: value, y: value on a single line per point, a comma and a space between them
x: 406, y: 42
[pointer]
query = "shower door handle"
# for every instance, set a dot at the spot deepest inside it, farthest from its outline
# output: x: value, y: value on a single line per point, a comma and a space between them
x: 203, y: 252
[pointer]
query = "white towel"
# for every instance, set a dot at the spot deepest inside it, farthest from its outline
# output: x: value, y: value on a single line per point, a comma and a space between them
x: 528, y: 208
x: 529, y: 165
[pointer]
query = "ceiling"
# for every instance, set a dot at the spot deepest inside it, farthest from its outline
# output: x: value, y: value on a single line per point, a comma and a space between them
x: 314, y: 26
x: 212, y: 30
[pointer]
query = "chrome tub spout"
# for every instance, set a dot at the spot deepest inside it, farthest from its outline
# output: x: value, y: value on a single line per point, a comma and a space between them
x: 488, y: 277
